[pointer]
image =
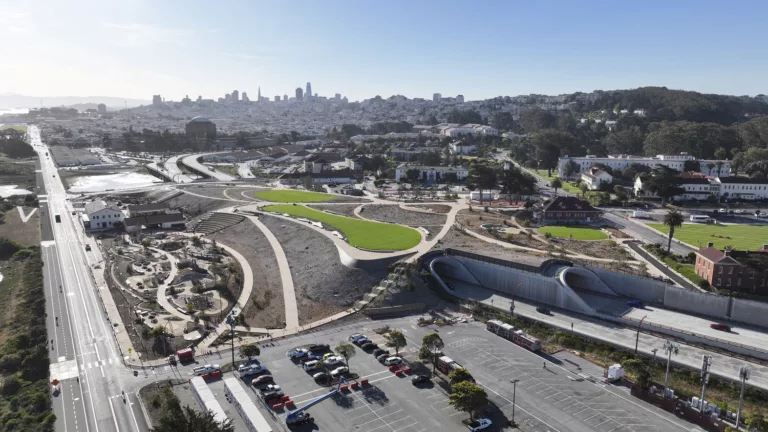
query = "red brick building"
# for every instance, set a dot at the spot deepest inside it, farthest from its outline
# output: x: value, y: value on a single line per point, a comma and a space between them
x: 745, y: 271
x: 566, y: 210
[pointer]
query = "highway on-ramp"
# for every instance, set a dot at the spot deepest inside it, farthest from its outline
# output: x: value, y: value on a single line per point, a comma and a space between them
x: 85, y: 356
x: 173, y: 170
x: 191, y: 162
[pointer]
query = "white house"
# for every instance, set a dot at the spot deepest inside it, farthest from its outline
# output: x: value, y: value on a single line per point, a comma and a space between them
x: 701, y: 187
x: 100, y: 215
x: 594, y: 177
x: 742, y: 188
x: 721, y: 168
x: 430, y: 174
x: 171, y: 220
x: 458, y: 147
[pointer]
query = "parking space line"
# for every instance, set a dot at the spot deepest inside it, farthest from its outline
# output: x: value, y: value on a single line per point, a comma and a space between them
x: 407, y: 426
x: 609, y: 419
x: 591, y: 417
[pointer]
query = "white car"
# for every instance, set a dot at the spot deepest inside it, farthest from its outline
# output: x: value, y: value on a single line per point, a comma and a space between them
x: 356, y: 337
x: 479, y: 424
x: 333, y: 360
x: 339, y: 371
x: 392, y: 361
x: 270, y: 387
x: 298, y: 353
x: 250, y: 370
x: 204, y: 370
x: 722, y: 210
x: 738, y: 211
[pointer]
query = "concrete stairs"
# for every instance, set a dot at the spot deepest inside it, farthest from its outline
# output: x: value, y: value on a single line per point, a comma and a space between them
x: 217, y: 222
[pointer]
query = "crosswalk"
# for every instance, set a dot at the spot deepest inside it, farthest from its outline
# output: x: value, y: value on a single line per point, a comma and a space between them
x: 102, y: 362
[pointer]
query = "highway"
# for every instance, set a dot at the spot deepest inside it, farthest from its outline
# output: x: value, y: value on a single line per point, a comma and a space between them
x: 191, y: 162
x: 85, y: 356
x: 173, y: 170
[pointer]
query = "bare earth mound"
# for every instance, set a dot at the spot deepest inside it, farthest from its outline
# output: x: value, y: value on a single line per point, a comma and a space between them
x: 347, y: 210
x: 195, y: 205
x: 324, y: 286
x: 266, y: 307
x: 437, y: 208
x: 394, y: 214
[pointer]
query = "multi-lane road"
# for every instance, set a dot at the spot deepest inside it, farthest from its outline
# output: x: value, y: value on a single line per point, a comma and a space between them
x: 84, y: 354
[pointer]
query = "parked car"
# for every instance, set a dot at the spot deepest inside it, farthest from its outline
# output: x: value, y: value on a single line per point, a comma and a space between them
x: 720, y: 326
x: 636, y: 303
x: 363, y: 341
x: 383, y: 357
x: 378, y: 351
x: 252, y: 369
x: 369, y: 346
x: 542, y: 310
x: 341, y: 370
x: 261, y: 380
x: 722, y: 210
x: 333, y: 360
x: 320, y: 376
x: 270, y: 388
x: 318, y: 348
x: 419, y: 379
x: 356, y: 337
x: 479, y: 424
x: 298, y: 353
x: 299, y: 418
x: 389, y: 361
x: 273, y: 396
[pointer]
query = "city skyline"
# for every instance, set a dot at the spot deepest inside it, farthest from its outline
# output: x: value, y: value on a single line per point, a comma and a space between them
x: 144, y: 48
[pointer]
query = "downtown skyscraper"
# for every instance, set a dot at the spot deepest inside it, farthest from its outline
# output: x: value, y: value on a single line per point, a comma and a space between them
x: 308, y: 93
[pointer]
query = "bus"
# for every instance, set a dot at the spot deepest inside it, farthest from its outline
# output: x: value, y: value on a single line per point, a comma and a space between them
x: 254, y: 421
x: 514, y: 335
x: 205, y: 398
x: 699, y: 218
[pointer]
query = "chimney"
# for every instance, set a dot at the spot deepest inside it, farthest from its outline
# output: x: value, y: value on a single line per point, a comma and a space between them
x: 710, y: 244
x: 727, y: 252
x: 765, y: 247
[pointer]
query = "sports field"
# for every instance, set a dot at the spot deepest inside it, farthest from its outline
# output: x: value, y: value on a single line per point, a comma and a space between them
x: 741, y: 237
x: 359, y: 233
x: 21, y: 128
x: 290, y: 196
x: 578, y: 233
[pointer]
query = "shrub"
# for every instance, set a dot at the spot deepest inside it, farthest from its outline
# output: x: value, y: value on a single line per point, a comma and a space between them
x: 547, y: 235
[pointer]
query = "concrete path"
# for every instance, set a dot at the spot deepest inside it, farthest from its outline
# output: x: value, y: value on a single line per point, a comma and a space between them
x: 25, y: 217
x: 289, y: 293
x: 162, y: 299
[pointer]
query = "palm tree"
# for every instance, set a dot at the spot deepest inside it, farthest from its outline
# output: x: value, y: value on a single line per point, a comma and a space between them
x: 673, y: 219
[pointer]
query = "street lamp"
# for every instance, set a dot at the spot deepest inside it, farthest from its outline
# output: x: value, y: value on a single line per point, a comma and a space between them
x: 637, y: 338
x: 231, y: 322
x: 514, y: 391
x: 669, y: 348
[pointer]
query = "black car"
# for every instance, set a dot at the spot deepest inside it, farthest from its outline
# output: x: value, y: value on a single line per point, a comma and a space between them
x: 369, y: 346
x: 272, y: 396
x: 363, y: 341
x: 319, y: 348
x: 382, y: 357
x: 419, y: 379
x: 378, y: 351
x: 543, y: 310
x: 300, y: 418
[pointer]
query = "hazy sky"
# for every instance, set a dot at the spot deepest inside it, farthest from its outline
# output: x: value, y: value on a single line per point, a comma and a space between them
x: 363, y: 48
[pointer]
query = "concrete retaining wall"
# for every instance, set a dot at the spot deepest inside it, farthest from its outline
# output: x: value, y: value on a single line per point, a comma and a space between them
x: 750, y: 312
x: 696, y: 302
x: 580, y: 277
x: 647, y: 290
x: 394, y: 310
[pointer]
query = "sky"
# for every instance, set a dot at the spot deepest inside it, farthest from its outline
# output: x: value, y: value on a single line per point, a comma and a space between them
x: 363, y: 48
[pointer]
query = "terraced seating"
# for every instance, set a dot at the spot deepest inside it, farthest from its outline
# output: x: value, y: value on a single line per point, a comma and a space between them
x: 217, y: 222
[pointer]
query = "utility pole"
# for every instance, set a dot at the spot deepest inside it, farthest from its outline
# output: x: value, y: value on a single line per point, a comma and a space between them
x: 637, y: 338
x: 706, y: 363
x: 669, y: 348
x: 231, y: 322
x: 744, y: 374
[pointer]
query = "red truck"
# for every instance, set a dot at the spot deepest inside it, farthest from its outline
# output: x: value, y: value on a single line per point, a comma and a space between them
x: 185, y: 354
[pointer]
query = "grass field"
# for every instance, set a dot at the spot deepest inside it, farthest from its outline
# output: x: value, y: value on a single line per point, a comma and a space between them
x: 22, y: 128
x: 742, y: 237
x: 290, y: 196
x: 360, y: 233
x: 578, y: 233
x: 567, y: 186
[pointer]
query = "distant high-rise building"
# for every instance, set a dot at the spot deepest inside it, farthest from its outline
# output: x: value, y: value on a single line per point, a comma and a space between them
x: 186, y: 100
x: 245, y: 97
x: 101, y: 109
x: 285, y: 97
x: 460, y: 98
x: 338, y: 96
x: 235, y: 96
x: 258, y: 97
x: 299, y: 94
x: 199, y: 98
x: 277, y: 98
x: 227, y: 97
x: 157, y: 100
x: 309, y: 91
x: 437, y: 97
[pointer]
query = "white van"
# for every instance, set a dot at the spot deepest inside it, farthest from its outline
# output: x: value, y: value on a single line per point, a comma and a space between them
x: 699, y: 218
x: 310, y: 365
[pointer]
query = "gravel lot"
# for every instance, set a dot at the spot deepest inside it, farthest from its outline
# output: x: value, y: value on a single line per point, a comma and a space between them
x: 457, y: 240
x: 394, y: 214
x: 267, y: 287
x: 324, y: 286
x: 347, y: 210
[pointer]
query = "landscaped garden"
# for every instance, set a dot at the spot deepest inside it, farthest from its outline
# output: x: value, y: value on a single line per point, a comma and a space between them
x: 741, y: 237
x: 574, y: 233
x: 290, y: 196
x: 359, y: 233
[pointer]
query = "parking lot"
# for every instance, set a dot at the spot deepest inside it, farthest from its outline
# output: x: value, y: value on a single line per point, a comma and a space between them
x: 564, y: 396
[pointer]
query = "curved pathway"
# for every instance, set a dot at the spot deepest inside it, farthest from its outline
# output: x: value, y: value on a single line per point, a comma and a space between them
x: 162, y: 299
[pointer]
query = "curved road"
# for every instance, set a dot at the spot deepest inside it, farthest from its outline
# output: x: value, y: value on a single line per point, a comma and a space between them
x: 191, y: 162
x: 173, y: 170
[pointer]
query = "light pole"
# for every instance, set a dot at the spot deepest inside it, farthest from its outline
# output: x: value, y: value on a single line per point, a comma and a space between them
x: 637, y: 338
x: 231, y: 322
x: 744, y: 374
x: 669, y: 348
x: 706, y: 363
x: 514, y: 391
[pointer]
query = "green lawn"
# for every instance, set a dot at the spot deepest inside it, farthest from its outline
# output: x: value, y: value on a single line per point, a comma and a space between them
x: 543, y: 174
x: 360, y: 233
x: 578, y: 233
x: 567, y: 186
x: 742, y: 237
x: 22, y: 128
x: 291, y: 196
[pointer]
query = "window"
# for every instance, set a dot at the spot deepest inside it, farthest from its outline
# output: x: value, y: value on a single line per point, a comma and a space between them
x: 719, y: 281
x: 738, y: 282
x: 730, y: 270
x: 729, y: 282
x: 721, y: 270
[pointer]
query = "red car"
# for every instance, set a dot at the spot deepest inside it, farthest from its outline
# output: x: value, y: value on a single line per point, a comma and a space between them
x: 721, y: 327
x: 262, y: 380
